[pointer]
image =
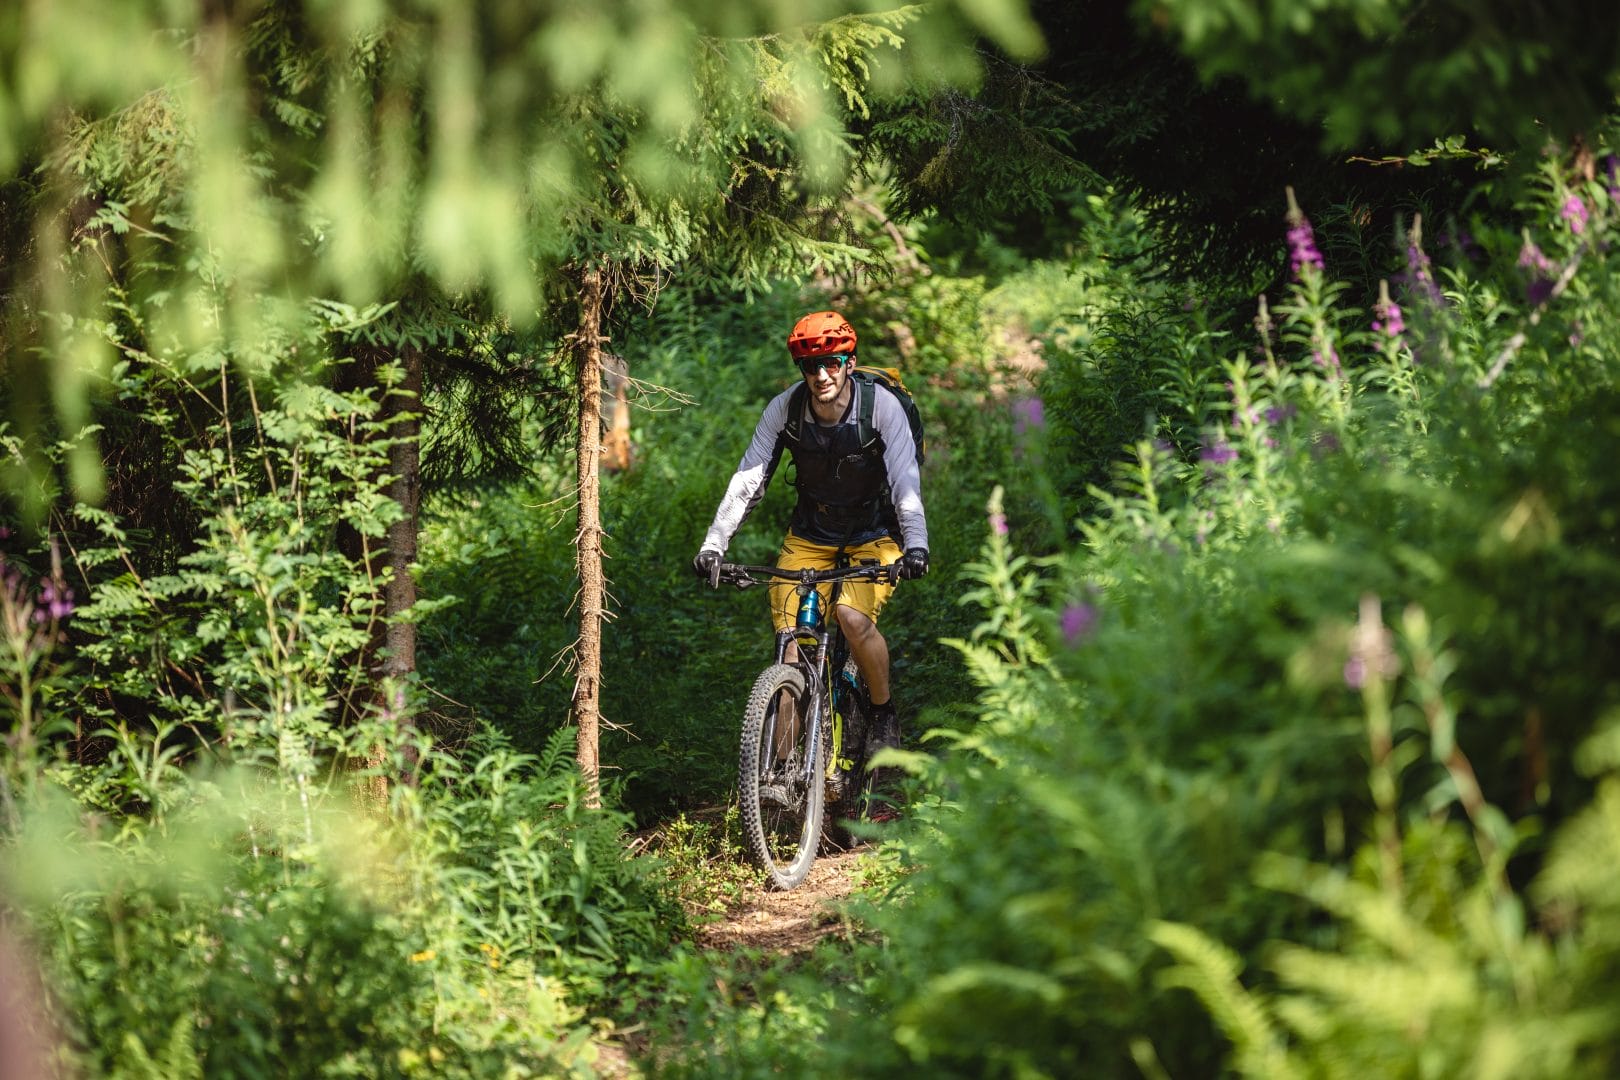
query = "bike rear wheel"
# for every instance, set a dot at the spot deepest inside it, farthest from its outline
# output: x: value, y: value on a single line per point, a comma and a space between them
x: 780, y: 776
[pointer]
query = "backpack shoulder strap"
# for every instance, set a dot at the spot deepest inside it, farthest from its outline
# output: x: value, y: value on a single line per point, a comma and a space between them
x: 795, y: 414
x: 865, y: 406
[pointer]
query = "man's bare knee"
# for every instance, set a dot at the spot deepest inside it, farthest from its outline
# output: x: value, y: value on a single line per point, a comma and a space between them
x: 857, y: 627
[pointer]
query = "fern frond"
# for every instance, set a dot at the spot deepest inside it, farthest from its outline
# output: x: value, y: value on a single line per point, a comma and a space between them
x: 1210, y: 970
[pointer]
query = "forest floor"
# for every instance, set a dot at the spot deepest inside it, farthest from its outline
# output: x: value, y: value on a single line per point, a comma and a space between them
x: 788, y: 922
x: 762, y: 921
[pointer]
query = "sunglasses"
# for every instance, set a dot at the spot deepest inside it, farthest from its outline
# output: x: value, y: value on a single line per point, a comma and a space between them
x: 812, y: 364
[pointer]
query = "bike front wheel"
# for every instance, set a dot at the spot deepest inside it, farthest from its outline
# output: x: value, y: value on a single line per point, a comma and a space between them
x: 779, y: 776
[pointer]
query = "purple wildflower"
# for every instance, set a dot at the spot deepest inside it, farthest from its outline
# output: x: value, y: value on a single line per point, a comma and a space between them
x: 1575, y: 213
x: 1220, y: 452
x: 1388, y: 313
x: 1078, y: 622
x: 1329, y: 360
x: 5, y: 532
x: 1302, y: 250
x: 1533, y: 258
x: 1280, y: 414
x: 55, y: 602
x: 1419, y: 271
x: 1029, y: 414
x: 998, y: 523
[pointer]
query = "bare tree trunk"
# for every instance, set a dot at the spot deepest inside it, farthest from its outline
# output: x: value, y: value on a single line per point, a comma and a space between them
x: 617, y: 453
x: 404, y: 408
x: 588, y: 538
x: 390, y: 656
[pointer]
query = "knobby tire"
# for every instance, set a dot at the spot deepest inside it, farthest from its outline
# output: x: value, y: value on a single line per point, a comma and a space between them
x: 781, y: 813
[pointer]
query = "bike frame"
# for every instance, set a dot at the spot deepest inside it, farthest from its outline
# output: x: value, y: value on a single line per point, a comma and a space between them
x: 823, y: 643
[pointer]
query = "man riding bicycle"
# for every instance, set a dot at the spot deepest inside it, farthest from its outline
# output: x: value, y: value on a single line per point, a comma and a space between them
x: 860, y: 495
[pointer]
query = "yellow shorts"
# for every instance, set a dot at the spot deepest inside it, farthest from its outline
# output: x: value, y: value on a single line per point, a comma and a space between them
x: 866, y: 597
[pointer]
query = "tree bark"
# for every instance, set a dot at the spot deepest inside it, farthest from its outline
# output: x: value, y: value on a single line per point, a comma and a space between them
x: 389, y: 657
x: 617, y: 453
x: 588, y: 537
x: 403, y: 407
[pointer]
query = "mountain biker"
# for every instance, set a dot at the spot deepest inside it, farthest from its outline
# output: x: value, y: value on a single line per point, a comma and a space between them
x: 863, y: 501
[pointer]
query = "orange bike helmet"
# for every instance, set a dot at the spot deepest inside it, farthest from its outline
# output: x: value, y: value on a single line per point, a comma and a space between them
x: 821, y: 333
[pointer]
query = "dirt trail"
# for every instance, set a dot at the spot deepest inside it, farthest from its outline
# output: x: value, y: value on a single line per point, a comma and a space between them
x: 776, y: 922
x: 789, y: 922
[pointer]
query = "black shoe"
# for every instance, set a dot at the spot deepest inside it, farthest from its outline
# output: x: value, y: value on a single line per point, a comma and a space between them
x: 884, y: 733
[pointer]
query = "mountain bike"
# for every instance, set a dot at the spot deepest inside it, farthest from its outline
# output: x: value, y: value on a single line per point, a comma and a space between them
x: 804, y: 731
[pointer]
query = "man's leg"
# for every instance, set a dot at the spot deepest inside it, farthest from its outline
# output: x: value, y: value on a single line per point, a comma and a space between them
x: 870, y: 650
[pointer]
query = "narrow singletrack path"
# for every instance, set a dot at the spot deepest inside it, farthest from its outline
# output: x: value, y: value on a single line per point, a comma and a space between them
x: 787, y: 922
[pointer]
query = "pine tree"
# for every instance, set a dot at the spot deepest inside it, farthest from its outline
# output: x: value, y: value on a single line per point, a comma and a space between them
x: 461, y: 172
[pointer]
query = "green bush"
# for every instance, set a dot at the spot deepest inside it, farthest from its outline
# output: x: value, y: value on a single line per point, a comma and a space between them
x: 241, y: 933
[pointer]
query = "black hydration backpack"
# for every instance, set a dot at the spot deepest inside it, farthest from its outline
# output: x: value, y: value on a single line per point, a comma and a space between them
x: 866, y: 381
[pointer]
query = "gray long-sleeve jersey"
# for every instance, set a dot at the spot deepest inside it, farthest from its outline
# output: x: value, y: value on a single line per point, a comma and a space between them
x: 747, y: 485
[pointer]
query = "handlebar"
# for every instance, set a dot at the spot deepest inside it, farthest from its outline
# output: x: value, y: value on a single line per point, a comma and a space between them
x: 745, y: 576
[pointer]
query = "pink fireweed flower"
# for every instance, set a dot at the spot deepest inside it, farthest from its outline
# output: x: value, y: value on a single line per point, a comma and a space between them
x: 1302, y: 250
x: 1328, y: 360
x: 1077, y: 623
x: 998, y: 524
x: 1574, y: 212
x: 1388, y: 312
x: 1029, y: 414
x: 1419, y: 271
x: 1245, y: 417
x: 1218, y: 453
x: 55, y: 602
x: 1389, y: 320
x: 1531, y: 257
x: 1539, y: 288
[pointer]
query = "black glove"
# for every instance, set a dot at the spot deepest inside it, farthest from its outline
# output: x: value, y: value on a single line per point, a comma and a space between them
x: 913, y: 564
x: 706, y: 565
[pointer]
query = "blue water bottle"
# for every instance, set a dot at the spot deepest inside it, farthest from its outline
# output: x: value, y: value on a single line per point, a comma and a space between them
x: 810, y: 611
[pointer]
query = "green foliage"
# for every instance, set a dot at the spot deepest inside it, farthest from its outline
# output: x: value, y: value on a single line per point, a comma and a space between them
x: 1410, y: 72
x: 484, y: 153
x: 705, y: 861
x: 252, y: 927
x: 209, y: 897
x: 1203, y: 761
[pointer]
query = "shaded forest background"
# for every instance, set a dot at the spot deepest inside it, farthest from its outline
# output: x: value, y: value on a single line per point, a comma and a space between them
x: 1259, y: 708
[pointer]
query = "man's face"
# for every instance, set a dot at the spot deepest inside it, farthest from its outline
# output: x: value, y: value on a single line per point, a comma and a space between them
x: 826, y: 376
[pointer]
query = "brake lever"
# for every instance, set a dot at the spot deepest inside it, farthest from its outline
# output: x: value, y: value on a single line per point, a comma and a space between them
x: 714, y: 575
